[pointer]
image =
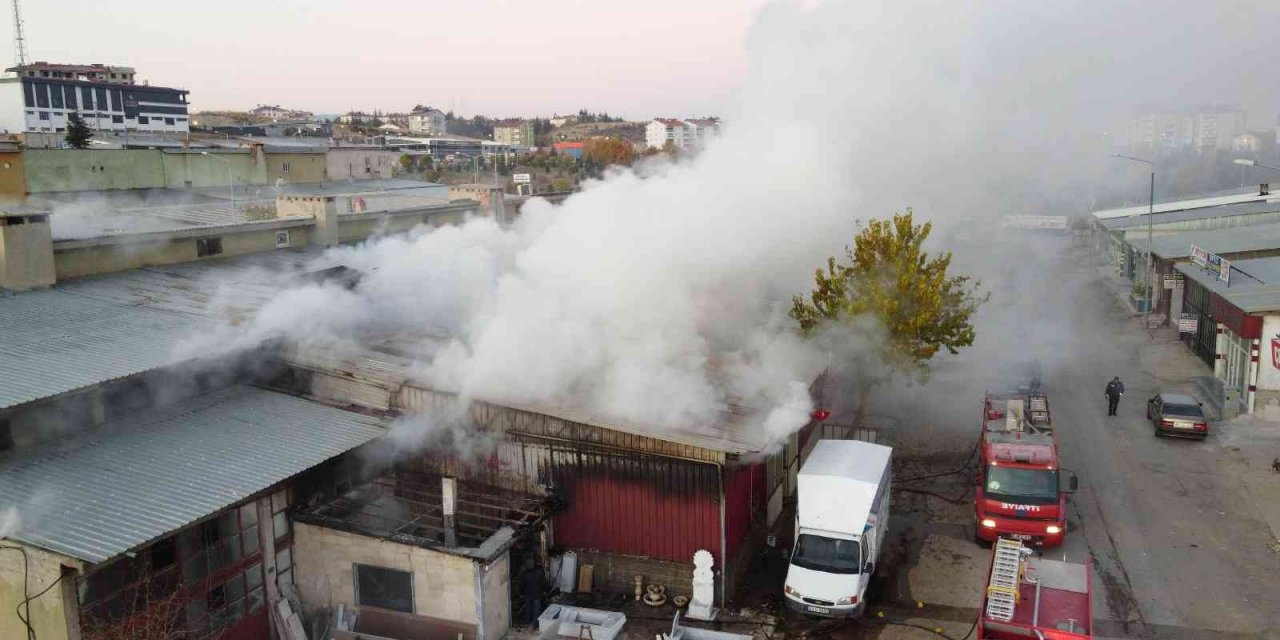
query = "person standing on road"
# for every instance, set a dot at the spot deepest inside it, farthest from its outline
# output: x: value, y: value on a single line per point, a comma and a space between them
x: 1115, y: 389
x: 533, y: 585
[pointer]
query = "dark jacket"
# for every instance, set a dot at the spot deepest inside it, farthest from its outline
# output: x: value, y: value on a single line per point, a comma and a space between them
x: 1115, y: 389
x: 532, y: 582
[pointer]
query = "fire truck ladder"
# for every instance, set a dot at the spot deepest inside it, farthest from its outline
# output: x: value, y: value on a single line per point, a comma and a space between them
x: 1006, y: 572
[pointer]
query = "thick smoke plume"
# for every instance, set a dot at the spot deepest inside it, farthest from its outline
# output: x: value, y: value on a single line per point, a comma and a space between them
x: 659, y: 295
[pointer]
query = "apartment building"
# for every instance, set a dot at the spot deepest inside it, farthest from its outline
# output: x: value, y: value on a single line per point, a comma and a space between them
x: 1203, y: 129
x: 517, y: 133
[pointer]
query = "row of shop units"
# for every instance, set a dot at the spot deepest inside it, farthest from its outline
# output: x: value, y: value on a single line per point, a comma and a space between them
x: 1215, y: 275
x: 204, y: 515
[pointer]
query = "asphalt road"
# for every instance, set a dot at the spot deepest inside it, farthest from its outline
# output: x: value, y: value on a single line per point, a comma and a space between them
x: 1178, y: 549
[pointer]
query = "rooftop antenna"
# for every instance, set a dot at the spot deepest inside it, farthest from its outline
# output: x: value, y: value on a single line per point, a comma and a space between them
x: 19, y: 39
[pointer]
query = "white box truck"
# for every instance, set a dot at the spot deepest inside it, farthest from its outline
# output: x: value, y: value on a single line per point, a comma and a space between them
x: 842, y: 516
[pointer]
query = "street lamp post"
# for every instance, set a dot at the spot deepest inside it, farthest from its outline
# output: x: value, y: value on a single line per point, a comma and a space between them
x: 1151, y: 210
x: 231, y: 185
x: 1254, y: 163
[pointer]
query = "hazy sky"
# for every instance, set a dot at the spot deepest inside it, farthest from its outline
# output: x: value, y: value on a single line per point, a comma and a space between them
x: 499, y: 57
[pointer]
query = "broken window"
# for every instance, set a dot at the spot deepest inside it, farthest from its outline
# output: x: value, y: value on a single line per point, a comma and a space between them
x: 384, y: 588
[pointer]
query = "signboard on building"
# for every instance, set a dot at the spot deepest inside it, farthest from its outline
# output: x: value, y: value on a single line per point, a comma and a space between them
x: 522, y: 178
x: 1213, y: 263
x: 1035, y: 222
x: 1188, y: 323
x: 1172, y: 280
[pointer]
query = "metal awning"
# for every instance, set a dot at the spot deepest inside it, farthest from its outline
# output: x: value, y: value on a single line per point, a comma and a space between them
x: 100, y: 494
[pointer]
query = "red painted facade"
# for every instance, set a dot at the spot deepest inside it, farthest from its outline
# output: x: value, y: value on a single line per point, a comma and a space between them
x: 635, y: 517
x: 1243, y: 325
x: 744, y: 502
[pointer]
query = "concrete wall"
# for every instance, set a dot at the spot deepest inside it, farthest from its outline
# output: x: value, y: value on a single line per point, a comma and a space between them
x: 444, y: 585
x: 496, y: 581
x: 302, y: 167
x: 26, y: 252
x: 616, y: 573
x: 13, y: 179
x: 53, y: 615
x: 191, y: 169
x: 346, y: 163
x: 50, y: 170
x: 77, y: 258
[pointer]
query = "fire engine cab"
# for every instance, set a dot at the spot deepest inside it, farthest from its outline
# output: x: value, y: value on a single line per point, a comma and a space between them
x: 1034, y: 598
x: 1019, y: 492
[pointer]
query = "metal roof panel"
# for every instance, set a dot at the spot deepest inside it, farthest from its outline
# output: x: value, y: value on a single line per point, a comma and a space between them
x: 103, y: 493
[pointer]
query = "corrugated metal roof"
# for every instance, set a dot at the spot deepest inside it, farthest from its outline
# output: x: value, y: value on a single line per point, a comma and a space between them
x: 1255, y: 283
x: 92, y: 330
x: 1187, y: 215
x: 104, y: 493
x: 55, y: 341
x: 1220, y: 241
x: 1208, y: 200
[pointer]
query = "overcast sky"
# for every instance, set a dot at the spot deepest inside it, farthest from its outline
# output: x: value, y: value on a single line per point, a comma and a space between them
x: 498, y: 57
x: 638, y: 59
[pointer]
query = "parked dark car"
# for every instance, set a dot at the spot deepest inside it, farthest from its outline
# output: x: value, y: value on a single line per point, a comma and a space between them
x: 1175, y: 414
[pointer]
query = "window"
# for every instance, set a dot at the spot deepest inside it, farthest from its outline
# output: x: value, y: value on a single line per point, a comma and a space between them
x: 42, y: 96
x: 828, y: 555
x: 1023, y: 486
x: 101, y: 97
x: 208, y: 247
x: 284, y: 167
x: 117, y: 119
x: 29, y: 94
x: 144, y: 120
x: 44, y: 115
x: 86, y: 97
x: 70, y: 95
x: 168, y: 121
x: 55, y: 96
x: 384, y: 588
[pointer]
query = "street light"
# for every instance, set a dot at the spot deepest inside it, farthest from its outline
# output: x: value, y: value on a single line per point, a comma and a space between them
x: 231, y: 185
x: 1254, y: 163
x: 1151, y: 211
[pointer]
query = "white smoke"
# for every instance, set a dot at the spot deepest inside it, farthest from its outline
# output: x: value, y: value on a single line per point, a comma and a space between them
x: 659, y: 295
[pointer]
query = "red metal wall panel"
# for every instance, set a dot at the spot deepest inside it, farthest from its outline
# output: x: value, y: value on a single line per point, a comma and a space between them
x: 1245, y: 326
x: 744, y: 502
x: 635, y: 517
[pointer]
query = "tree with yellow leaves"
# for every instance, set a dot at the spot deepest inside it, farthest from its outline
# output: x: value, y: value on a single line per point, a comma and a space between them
x: 891, y: 278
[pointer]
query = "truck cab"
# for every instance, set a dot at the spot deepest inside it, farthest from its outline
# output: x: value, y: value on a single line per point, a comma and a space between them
x: 1019, y: 490
x: 842, y: 517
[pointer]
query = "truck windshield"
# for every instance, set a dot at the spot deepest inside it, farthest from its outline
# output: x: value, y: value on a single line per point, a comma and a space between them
x: 828, y: 555
x: 1027, y: 486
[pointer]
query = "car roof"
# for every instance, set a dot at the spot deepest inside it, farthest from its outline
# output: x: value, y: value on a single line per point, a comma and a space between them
x: 1178, y: 398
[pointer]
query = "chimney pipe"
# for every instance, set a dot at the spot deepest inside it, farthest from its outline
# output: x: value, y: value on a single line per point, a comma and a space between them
x: 449, y: 501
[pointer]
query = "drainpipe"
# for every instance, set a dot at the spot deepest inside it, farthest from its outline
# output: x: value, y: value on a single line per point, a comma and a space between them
x: 449, y: 504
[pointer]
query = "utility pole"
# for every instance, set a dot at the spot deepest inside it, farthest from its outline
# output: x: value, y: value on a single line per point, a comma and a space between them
x: 19, y: 38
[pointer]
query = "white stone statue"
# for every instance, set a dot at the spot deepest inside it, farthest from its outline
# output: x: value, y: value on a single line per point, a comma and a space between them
x: 704, y: 587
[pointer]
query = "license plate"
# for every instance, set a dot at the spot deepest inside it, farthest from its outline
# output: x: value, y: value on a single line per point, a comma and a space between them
x: 1020, y: 536
x: 818, y: 609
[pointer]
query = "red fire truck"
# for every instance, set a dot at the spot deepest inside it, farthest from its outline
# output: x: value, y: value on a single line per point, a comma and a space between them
x: 1034, y: 598
x: 1019, y: 493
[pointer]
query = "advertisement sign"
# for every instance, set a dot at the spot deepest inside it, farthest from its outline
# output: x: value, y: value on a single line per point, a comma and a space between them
x: 1172, y: 280
x: 1188, y: 323
x: 1213, y: 263
x: 521, y: 178
x: 1035, y: 222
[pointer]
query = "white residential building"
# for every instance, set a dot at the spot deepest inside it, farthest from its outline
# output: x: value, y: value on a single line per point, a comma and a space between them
x: 427, y: 121
x: 1203, y: 129
x: 661, y: 131
x: 680, y: 133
